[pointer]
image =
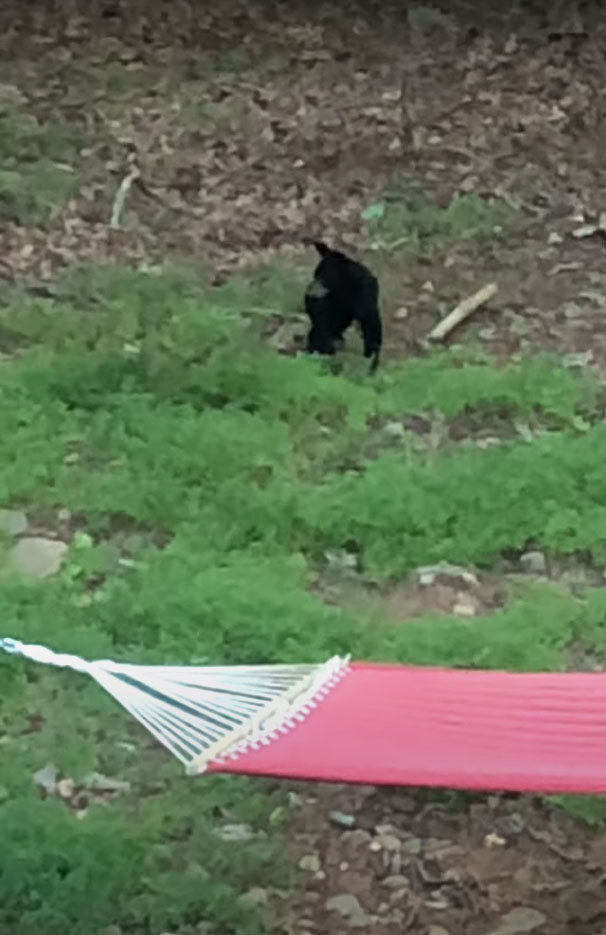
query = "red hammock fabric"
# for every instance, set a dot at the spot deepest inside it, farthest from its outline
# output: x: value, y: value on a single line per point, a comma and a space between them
x: 395, y: 725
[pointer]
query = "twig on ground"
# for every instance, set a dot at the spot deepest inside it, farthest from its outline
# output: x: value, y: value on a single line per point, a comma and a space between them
x: 120, y: 199
x: 462, y: 311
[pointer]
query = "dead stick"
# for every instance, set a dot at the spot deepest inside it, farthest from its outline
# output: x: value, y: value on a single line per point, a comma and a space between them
x: 119, y: 200
x: 462, y: 311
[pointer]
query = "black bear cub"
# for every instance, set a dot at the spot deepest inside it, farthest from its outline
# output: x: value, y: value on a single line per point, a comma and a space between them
x: 342, y: 291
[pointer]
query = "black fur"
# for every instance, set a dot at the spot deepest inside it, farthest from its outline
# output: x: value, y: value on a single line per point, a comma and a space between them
x: 343, y: 291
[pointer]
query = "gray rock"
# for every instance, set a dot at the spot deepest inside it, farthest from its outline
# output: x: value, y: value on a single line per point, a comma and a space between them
x: 310, y: 862
x: 520, y: 920
x: 533, y: 563
x: 254, y: 898
x: 234, y: 833
x: 13, y: 522
x: 46, y: 778
x: 395, y: 882
x: 357, y: 839
x: 348, y: 907
x: 342, y: 820
x: 427, y: 574
x: 36, y: 557
x: 413, y: 846
x: 394, y: 429
x: 342, y: 561
x: 389, y: 842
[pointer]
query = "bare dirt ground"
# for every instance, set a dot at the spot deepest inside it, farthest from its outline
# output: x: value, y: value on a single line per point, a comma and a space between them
x: 252, y: 124
x: 387, y: 861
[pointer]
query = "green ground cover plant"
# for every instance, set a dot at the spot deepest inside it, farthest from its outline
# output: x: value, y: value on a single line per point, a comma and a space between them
x: 200, y: 479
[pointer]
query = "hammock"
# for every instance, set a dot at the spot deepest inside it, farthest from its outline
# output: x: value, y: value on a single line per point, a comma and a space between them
x: 368, y: 723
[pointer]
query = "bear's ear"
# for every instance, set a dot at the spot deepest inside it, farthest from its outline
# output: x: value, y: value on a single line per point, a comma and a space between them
x: 319, y: 245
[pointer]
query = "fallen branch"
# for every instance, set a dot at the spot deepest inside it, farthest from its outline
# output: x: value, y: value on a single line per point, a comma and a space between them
x: 462, y: 311
x: 120, y: 199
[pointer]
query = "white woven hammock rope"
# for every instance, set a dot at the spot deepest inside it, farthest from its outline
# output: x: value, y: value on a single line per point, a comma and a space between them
x: 205, y: 714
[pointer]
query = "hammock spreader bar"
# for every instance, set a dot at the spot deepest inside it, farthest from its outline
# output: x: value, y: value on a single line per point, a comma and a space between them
x: 368, y: 723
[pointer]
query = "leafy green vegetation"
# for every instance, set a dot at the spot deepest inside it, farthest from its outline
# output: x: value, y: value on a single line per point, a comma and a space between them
x: 201, y: 478
x: 396, y: 224
x: 37, y: 177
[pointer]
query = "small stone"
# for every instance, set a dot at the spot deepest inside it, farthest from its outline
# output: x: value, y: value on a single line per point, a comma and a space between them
x: 386, y: 828
x: 388, y: 842
x: 310, y: 863
x: 66, y: 788
x: 469, y: 184
x: 343, y: 866
x: 394, y: 429
x: 555, y: 239
x: 534, y: 563
x: 494, y: 840
x: 348, y: 907
x: 572, y: 311
x: 36, y: 557
x: 437, y: 902
x: 234, y: 833
x: 585, y: 230
x: 342, y: 820
x: 46, y: 778
x: 428, y: 573
x: 395, y: 882
x: 464, y: 607
x: 13, y: 522
x: 254, y: 898
x: 413, y: 846
x: 401, y: 313
x: 356, y: 839
x: 580, y: 359
x: 520, y: 920
x: 341, y: 561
